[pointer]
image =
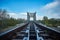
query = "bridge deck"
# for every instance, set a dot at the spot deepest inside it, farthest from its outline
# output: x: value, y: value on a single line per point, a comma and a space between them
x: 30, y: 31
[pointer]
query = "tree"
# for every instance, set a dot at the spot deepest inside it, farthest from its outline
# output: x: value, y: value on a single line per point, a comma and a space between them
x: 45, y: 19
x: 50, y: 22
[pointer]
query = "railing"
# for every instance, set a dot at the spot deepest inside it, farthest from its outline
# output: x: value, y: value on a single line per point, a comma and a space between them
x: 55, y: 34
x: 7, y: 35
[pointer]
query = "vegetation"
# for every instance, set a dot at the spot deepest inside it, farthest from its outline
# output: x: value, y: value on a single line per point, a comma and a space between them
x: 50, y: 22
x: 6, y: 21
x: 9, y: 22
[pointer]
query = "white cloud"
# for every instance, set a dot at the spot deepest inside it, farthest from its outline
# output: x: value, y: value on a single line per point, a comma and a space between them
x: 38, y: 17
x: 51, y: 5
x: 18, y: 15
x: 51, y: 9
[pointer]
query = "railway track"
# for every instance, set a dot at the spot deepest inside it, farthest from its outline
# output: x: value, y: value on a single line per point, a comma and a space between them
x: 30, y: 31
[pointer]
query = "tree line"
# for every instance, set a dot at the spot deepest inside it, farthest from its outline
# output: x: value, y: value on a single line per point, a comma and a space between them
x: 6, y: 21
x: 52, y: 22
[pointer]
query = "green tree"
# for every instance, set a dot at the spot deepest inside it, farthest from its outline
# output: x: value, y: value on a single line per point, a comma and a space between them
x: 45, y: 20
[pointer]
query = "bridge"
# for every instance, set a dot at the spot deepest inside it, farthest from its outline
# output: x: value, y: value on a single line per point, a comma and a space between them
x: 31, y: 30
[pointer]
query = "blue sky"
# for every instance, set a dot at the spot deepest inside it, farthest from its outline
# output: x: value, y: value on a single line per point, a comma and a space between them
x: 18, y: 8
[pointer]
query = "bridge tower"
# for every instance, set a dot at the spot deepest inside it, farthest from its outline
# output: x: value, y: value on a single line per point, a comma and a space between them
x: 33, y: 15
